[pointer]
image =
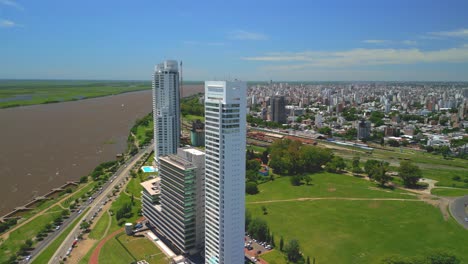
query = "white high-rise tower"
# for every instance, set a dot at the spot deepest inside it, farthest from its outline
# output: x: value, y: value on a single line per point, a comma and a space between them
x: 225, y: 139
x: 166, y: 109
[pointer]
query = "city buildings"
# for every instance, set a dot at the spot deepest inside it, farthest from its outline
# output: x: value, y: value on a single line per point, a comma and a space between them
x: 364, y: 129
x: 278, y: 109
x: 150, y: 199
x: 180, y: 215
x: 225, y: 143
x: 166, y: 108
x: 197, y: 134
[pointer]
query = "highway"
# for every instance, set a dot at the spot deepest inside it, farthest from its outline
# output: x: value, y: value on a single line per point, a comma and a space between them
x: 98, y: 198
x: 458, y: 210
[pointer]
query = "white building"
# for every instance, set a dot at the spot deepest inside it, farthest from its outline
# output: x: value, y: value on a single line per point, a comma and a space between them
x: 180, y: 215
x: 225, y: 139
x: 166, y: 109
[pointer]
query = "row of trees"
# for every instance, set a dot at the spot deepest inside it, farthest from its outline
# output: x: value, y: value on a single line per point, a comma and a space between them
x: 432, y: 257
x: 192, y: 106
x: 293, y: 157
x: 377, y: 171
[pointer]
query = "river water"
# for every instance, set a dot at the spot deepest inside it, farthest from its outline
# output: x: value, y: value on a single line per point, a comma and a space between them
x: 43, y: 146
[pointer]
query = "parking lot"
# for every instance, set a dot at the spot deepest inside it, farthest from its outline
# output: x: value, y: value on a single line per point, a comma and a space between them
x: 254, y: 248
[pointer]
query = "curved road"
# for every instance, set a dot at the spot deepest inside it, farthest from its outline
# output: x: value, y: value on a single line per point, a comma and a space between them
x: 93, y: 206
x: 458, y: 210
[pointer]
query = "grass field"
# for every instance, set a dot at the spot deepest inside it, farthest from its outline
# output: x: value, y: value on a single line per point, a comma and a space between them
x: 100, y: 228
x: 324, y: 185
x: 45, y: 255
x: 362, y: 231
x: 124, y: 249
x: 16, y: 238
x: 449, y: 192
x: 274, y: 257
x: 142, y: 131
x: 30, y: 92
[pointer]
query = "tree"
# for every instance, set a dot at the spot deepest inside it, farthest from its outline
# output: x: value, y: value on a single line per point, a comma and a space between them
x: 264, y: 209
x: 409, y: 173
x: 281, y: 245
x: 258, y: 229
x: 295, y: 180
x: 264, y: 157
x: 293, y: 251
x: 355, y: 165
x: 370, y: 167
x: 336, y: 164
x: 28, y: 243
x: 248, y: 218
x: 307, y: 179
x: 325, y: 130
x: 251, y: 187
x: 393, y: 143
x: 84, y: 225
x: 382, y: 142
x: 380, y: 173
x: 83, y: 179
x: 272, y: 242
x: 441, y: 257
x: 308, y: 260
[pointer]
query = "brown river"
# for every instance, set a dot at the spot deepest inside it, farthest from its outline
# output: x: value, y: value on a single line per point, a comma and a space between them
x: 43, y: 146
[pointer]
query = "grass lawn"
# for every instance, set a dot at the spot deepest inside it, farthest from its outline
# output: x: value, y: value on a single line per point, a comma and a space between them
x: 449, y: 192
x: 274, y: 257
x: 45, y: 255
x: 125, y: 249
x: 444, y: 176
x: 142, y: 132
x: 113, y: 252
x: 362, y: 231
x: 256, y: 148
x: 324, y: 184
x: 98, y: 231
x: 31, y: 92
x: 134, y: 187
x: 192, y: 118
x: 121, y: 200
x: 16, y: 238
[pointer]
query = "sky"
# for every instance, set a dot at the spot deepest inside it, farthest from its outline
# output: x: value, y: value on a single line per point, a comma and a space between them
x: 256, y: 40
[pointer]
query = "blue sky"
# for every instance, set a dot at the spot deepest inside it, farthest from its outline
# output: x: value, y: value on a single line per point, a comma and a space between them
x: 249, y: 40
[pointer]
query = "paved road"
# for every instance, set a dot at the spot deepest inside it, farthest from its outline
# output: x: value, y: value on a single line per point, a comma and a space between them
x: 98, y: 198
x: 457, y: 209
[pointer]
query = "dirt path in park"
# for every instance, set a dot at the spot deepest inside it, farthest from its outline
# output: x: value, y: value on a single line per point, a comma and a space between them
x: 335, y: 198
x: 95, y: 256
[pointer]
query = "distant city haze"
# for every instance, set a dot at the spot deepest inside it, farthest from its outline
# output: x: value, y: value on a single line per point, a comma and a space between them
x: 43, y: 146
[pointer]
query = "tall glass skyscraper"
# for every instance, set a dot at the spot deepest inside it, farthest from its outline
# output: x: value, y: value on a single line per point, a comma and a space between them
x: 225, y: 140
x: 166, y: 109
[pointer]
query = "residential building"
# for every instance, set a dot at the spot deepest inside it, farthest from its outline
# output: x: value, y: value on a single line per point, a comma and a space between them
x: 150, y: 199
x: 225, y: 142
x: 278, y: 109
x: 197, y: 134
x: 166, y: 108
x: 180, y: 216
x: 364, y: 129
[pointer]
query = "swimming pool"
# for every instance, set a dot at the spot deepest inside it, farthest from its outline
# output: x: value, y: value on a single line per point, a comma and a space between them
x: 149, y: 169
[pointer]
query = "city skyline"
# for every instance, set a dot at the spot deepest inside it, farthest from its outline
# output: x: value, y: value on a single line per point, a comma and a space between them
x: 320, y: 41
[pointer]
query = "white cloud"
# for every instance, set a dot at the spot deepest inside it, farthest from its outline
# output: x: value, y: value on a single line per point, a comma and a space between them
x: 376, y: 41
x: 200, y: 43
x: 245, y: 35
x: 360, y: 57
x: 409, y: 42
x: 12, y: 4
x: 8, y: 23
x: 385, y: 41
x: 463, y: 33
